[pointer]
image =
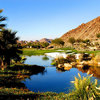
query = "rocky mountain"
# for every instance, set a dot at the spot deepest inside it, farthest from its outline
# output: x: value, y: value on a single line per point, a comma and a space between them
x: 45, y: 40
x: 36, y: 41
x: 84, y: 31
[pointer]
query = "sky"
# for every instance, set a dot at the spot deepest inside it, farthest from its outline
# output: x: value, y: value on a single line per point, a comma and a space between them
x: 36, y: 19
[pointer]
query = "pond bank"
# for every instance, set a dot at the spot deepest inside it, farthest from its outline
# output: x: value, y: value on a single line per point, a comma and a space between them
x: 23, y: 93
x: 10, y: 81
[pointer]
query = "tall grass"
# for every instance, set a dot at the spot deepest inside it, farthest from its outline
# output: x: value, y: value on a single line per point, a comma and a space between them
x: 84, y: 89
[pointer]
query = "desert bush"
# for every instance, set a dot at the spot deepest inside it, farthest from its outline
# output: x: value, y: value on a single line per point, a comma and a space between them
x: 62, y: 60
x: 85, y: 89
x: 58, y: 41
x: 86, y: 56
x: 98, y: 35
x: 97, y: 58
x: 45, y: 58
x: 70, y: 58
x: 72, y: 40
x: 79, y: 40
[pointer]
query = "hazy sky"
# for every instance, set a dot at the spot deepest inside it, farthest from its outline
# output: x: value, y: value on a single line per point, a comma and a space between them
x: 35, y: 19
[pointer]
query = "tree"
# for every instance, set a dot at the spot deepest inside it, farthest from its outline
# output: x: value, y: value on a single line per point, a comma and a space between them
x: 8, y: 47
x: 87, y: 41
x: 58, y: 41
x: 44, y: 44
x: 1, y: 28
x: 98, y: 35
x: 1, y: 20
x: 79, y: 40
x: 72, y: 40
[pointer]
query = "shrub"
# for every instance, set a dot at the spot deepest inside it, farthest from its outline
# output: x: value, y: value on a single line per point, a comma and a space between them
x: 98, y: 35
x: 84, y: 88
x: 45, y: 58
x: 87, y: 41
x: 79, y: 40
x: 58, y: 41
x: 71, y: 58
x: 62, y: 60
x: 72, y: 40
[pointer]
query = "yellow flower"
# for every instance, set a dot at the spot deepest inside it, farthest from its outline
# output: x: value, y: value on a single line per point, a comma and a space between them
x: 91, y: 75
x: 72, y: 81
x: 76, y: 83
x: 96, y: 81
x: 79, y: 75
x: 87, y: 88
x: 88, y: 72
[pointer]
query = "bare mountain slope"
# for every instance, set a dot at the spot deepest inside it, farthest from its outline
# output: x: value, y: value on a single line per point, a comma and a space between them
x: 84, y: 31
x: 45, y: 40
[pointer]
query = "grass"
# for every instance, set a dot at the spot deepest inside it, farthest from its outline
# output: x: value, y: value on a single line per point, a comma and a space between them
x: 14, y: 74
x: 31, y: 51
x: 24, y: 69
x: 12, y: 88
x: 84, y: 89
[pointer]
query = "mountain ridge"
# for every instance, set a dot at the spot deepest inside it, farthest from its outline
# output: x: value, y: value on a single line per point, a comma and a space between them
x: 84, y: 31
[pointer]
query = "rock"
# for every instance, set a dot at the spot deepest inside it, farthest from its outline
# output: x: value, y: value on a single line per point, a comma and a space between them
x: 91, y: 63
x: 98, y: 64
x: 73, y: 64
x: 67, y: 65
x: 84, y: 62
x: 60, y: 65
x: 80, y: 66
x: 78, y: 56
x: 67, y: 68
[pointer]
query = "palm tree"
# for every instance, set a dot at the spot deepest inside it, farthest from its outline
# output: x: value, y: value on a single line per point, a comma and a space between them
x: 1, y: 20
x: 1, y: 28
x: 9, y: 48
x: 8, y: 45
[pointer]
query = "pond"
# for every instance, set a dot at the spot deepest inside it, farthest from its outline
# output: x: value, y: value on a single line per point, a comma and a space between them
x: 52, y: 79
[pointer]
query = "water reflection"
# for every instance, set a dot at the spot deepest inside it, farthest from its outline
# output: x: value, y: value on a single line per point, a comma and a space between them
x: 54, y: 79
x: 92, y: 70
x: 45, y: 58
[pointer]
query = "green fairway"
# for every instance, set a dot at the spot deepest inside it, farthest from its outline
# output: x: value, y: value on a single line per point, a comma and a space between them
x: 30, y: 52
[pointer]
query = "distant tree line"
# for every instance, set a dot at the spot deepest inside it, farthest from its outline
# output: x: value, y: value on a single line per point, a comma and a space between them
x: 33, y: 44
x: 72, y: 40
x: 58, y: 41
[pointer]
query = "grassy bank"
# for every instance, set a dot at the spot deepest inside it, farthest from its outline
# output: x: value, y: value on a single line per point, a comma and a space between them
x: 30, y: 52
x: 14, y: 74
x: 11, y: 87
x: 84, y: 89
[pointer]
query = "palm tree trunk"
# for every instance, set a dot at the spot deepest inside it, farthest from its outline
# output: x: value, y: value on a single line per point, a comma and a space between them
x: 2, y: 65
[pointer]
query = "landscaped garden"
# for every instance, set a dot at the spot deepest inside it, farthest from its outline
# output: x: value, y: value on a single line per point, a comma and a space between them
x: 50, y: 78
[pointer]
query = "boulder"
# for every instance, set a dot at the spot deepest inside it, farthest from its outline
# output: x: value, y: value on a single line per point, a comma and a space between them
x: 60, y: 65
x: 67, y: 65
x: 80, y: 66
x: 98, y: 64
x: 67, y: 68
x: 73, y: 64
